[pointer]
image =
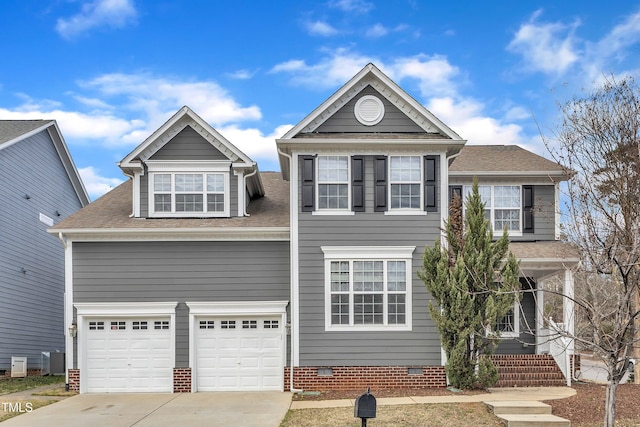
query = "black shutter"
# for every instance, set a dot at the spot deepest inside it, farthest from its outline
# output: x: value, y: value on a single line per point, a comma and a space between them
x: 527, y: 208
x: 357, y: 183
x: 431, y: 172
x: 307, y: 183
x: 380, y: 183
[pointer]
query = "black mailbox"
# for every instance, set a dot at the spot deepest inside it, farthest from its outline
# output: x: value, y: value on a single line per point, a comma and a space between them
x: 365, y: 407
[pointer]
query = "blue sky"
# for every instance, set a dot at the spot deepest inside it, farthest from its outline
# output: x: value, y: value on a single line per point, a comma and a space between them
x: 112, y: 71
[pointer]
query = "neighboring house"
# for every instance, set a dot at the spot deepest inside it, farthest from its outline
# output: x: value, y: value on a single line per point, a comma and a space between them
x: 201, y: 273
x: 39, y: 186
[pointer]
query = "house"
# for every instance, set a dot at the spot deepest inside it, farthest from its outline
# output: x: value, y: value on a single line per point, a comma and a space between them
x: 201, y: 273
x: 39, y: 186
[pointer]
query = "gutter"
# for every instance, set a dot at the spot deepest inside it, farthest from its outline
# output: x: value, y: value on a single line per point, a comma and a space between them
x: 244, y: 207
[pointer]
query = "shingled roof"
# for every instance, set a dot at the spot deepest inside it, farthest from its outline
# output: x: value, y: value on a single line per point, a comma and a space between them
x: 11, y: 129
x: 502, y: 160
x: 113, y: 212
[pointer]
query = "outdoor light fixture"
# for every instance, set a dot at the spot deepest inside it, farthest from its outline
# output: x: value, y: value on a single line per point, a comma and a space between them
x: 26, y: 196
x: 73, y: 330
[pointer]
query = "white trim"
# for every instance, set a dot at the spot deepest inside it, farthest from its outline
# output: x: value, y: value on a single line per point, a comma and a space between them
x: 175, y: 234
x: 357, y: 110
x: 358, y: 253
x: 316, y: 172
x: 421, y: 162
x: 558, y: 229
x: 87, y: 311
x: 233, y: 308
x: 368, y: 252
x: 492, y: 208
x: 516, y: 323
x: 189, y: 166
x: 68, y: 305
x: 295, y: 268
x: 332, y: 212
x: 406, y: 212
x: 190, y: 171
x: 241, y: 192
x: 539, y: 302
x: 136, y: 193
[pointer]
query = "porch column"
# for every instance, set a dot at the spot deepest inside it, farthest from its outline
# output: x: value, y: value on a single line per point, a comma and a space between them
x: 568, y: 307
x: 540, y: 317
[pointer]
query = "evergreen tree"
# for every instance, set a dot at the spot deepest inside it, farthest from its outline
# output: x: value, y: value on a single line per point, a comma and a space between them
x: 473, y: 288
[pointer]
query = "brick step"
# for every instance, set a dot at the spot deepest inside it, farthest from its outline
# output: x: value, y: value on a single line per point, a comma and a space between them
x: 527, y: 371
x: 531, y: 383
x: 522, y: 407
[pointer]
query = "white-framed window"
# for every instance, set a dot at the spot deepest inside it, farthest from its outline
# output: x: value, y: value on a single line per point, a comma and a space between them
x: 509, y: 325
x: 503, y: 206
x: 333, y: 183
x: 189, y: 189
x: 405, y: 182
x: 368, y: 288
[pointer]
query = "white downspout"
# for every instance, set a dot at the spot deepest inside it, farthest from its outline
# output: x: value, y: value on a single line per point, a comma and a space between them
x: 68, y: 304
x: 293, y: 259
x: 244, y: 188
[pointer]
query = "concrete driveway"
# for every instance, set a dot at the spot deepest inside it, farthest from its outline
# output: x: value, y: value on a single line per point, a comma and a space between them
x: 247, y: 409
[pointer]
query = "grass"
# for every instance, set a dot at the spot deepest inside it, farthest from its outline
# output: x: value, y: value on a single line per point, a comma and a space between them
x: 441, y: 415
x: 35, y: 404
x: 13, y: 385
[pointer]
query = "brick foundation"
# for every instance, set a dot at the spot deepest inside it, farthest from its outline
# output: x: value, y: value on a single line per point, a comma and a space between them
x: 361, y: 377
x: 74, y: 379
x: 182, y: 380
x: 30, y: 373
x: 527, y: 370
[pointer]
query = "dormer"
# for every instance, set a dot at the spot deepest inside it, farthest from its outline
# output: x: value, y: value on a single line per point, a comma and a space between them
x: 187, y: 169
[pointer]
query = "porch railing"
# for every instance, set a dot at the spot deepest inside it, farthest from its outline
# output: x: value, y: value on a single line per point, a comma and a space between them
x: 559, y: 346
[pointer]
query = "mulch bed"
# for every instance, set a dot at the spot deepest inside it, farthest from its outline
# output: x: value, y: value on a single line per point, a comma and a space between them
x: 587, y: 406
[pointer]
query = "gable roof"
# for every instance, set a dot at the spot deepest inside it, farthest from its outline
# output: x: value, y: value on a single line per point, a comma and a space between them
x: 302, y: 133
x: 14, y: 131
x: 503, y: 160
x: 181, y: 119
x: 109, y: 217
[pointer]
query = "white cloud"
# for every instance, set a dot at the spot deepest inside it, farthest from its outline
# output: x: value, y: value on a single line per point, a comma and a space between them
x: 157, y: 98
x: 378, y: 30
x: 76, y: 125
x: 434, y: 73
x: 253, y: 142
x: 320, y: 28
x: 95, y: 184
x: 358, y: 6
x: 241, y: 74
x: 547, y: 47
x: 335, y: 69
x: 96, y: 14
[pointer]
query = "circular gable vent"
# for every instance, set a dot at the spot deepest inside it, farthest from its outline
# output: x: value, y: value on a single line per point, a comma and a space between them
x: 369, y: 110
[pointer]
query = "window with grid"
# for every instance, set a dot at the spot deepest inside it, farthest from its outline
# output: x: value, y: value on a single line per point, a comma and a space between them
x: 405, y: 179
x: 189, y: 193
x: 503, y: 206
x: 333, y: 182
x: 509, y: 325
x: 368, y: 292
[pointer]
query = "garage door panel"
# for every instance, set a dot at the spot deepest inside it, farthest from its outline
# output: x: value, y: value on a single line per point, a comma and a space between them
x: 247, y: 357
x: 129, y: 355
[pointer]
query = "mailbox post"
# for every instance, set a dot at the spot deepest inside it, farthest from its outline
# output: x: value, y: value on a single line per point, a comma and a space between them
x: 365, y: 407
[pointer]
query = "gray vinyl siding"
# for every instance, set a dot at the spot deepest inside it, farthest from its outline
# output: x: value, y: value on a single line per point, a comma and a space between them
x: 32, y: 303
x: 344, y: 120
x: 419, y: 346
x: 526, y: 342
x: 144, y: 195
x: 188, y: 145
x: 181, y: 271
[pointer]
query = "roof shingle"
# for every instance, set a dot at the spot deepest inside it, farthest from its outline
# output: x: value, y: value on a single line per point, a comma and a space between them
x: 501, y: 159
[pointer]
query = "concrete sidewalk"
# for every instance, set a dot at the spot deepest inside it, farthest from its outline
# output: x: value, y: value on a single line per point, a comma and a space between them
x: 501, y: 394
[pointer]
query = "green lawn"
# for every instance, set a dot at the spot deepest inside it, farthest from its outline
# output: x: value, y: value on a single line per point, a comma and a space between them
x: 12, y: 385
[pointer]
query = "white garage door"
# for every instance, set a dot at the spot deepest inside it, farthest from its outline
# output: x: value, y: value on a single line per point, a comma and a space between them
x: 128, y: 355
x: 239, y: 353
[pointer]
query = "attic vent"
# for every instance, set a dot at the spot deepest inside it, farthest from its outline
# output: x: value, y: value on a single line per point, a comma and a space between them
x: 369, y: 110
